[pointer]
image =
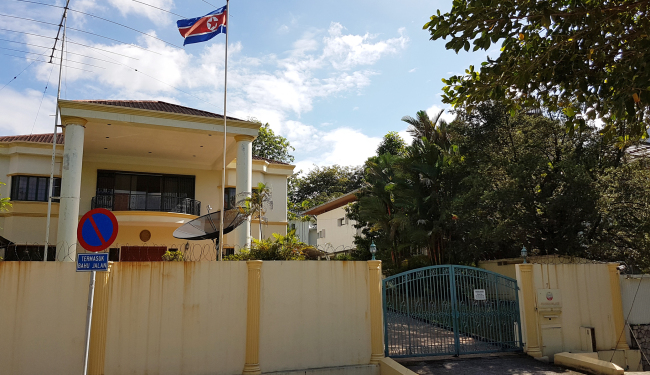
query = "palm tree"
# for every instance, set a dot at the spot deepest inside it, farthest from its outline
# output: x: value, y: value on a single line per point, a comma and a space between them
x: 430, y: 151
x: 423, y: 126
x: 257, y: 203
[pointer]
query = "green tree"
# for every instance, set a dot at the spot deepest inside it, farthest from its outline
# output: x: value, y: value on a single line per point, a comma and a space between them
x: 489, y: 182
x: 271, y: 146
x: 588, y: 59
x: 322, y: 184
x: 257, y: 203
x: 623, y: 233
x: 392, y: 144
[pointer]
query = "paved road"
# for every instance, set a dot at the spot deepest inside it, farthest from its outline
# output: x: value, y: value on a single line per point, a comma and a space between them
x: 511, y: 364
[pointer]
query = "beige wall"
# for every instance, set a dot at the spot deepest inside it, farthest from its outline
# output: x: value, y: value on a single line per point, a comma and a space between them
x: 507, y: 269
x: 314, y: 314
x: 336, y: 237
x: 176, y: 318
x: 185, y: 317
x: 43, y: 317
x: 586, y: 302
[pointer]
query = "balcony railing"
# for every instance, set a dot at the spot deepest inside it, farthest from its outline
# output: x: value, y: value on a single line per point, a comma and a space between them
x: 146, y: 202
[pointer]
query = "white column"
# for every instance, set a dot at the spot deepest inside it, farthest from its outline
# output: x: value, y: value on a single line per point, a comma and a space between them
x: 244, y: 182
x: 73, y: 149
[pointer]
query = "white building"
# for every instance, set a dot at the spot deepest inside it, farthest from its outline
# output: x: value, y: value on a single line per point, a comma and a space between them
x: 156, y: 165
x: 335, y: 232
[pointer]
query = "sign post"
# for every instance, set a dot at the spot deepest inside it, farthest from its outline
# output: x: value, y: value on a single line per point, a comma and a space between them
x: 96, y: 232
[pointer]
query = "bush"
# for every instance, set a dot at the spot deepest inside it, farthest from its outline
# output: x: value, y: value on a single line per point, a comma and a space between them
x: 279, y: 247
x: 172, y: 256
x: 344, y: 257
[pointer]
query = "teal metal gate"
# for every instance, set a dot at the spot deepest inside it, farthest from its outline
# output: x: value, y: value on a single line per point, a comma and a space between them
x: 450, y: 310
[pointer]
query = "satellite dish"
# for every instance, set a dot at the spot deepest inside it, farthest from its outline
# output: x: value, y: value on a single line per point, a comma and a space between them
x: 206, y: 227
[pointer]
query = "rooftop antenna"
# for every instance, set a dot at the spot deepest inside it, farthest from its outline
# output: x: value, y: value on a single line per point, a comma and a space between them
x: 64, y: 21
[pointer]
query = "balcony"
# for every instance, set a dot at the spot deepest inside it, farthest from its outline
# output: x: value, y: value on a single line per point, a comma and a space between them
x: 146, y: 202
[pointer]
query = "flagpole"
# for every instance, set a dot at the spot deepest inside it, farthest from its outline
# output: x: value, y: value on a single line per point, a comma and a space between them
x: 225, y: 120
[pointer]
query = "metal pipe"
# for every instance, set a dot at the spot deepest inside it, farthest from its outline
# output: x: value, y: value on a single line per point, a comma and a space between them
x: 54, y: 137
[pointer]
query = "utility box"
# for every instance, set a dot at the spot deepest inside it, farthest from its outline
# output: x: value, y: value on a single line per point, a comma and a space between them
x: 549, y: 310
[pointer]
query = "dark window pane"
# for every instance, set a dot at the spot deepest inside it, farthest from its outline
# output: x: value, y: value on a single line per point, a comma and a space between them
x: 15, y: 182
x: 186, y: 187
x: 230, y: 201
x: 123, y: 183
x: 22, y: 188
x: 41, y: 194
x: 56, y: 191
x: 105, y: 182
x: 31, y: 188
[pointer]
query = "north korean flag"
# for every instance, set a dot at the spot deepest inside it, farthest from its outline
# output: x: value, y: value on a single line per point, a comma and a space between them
x: 201, y: 29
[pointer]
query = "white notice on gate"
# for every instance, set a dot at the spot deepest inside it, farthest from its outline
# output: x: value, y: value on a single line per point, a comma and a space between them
x: 479, y: 294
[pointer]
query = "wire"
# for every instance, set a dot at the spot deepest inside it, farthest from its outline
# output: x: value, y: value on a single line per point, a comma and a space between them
x: 21, y: 72
x: 43, y: 97
x: 81, y: 31
x: 69, y: 41
x: 47, y: 62
x: 149, y: 5
x: 628, y: 316
x: 103, y: 19
x: 66, y: 59
x: 209, y: 4
x: 67, y: 53
x: 165, y: 83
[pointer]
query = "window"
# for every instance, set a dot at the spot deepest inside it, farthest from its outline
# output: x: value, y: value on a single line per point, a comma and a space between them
x: 34, y: 188
x: 126, y: 191
x: 231, y: 198
x: 321, y: 234
x: 228, y: 251
x: 341, y: 222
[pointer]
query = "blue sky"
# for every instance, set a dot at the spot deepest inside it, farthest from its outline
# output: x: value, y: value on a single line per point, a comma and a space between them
x: 331, y: 76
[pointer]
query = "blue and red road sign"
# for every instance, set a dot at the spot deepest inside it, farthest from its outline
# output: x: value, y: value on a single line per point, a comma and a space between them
x: 97, y: 229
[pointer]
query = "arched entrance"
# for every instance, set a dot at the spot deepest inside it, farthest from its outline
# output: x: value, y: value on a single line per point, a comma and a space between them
x: 450, y: 310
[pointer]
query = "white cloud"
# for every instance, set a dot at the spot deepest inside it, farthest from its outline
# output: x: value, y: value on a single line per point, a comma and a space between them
x: 447, y: 115
x: 348, y: 51
x: 342, y: 146
x: 274, y: 88
x: 127, y: 7
x: 413, y: 70
x: 20, y: 109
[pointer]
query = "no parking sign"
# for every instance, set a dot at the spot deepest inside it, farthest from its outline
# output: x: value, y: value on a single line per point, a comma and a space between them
x: 97, y: 230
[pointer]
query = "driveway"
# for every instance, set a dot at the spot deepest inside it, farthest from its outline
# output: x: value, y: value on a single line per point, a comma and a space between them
x: 514, y: 364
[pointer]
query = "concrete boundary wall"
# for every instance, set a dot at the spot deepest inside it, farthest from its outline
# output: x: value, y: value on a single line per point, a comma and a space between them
x: 191, y: 317
x: 42, y: 318
x: 562, y: 304
x: 305, y: 308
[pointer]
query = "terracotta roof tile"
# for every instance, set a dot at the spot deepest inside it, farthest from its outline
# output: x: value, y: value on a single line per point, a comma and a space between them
x: 156, y: 105
x: 36, y: 138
